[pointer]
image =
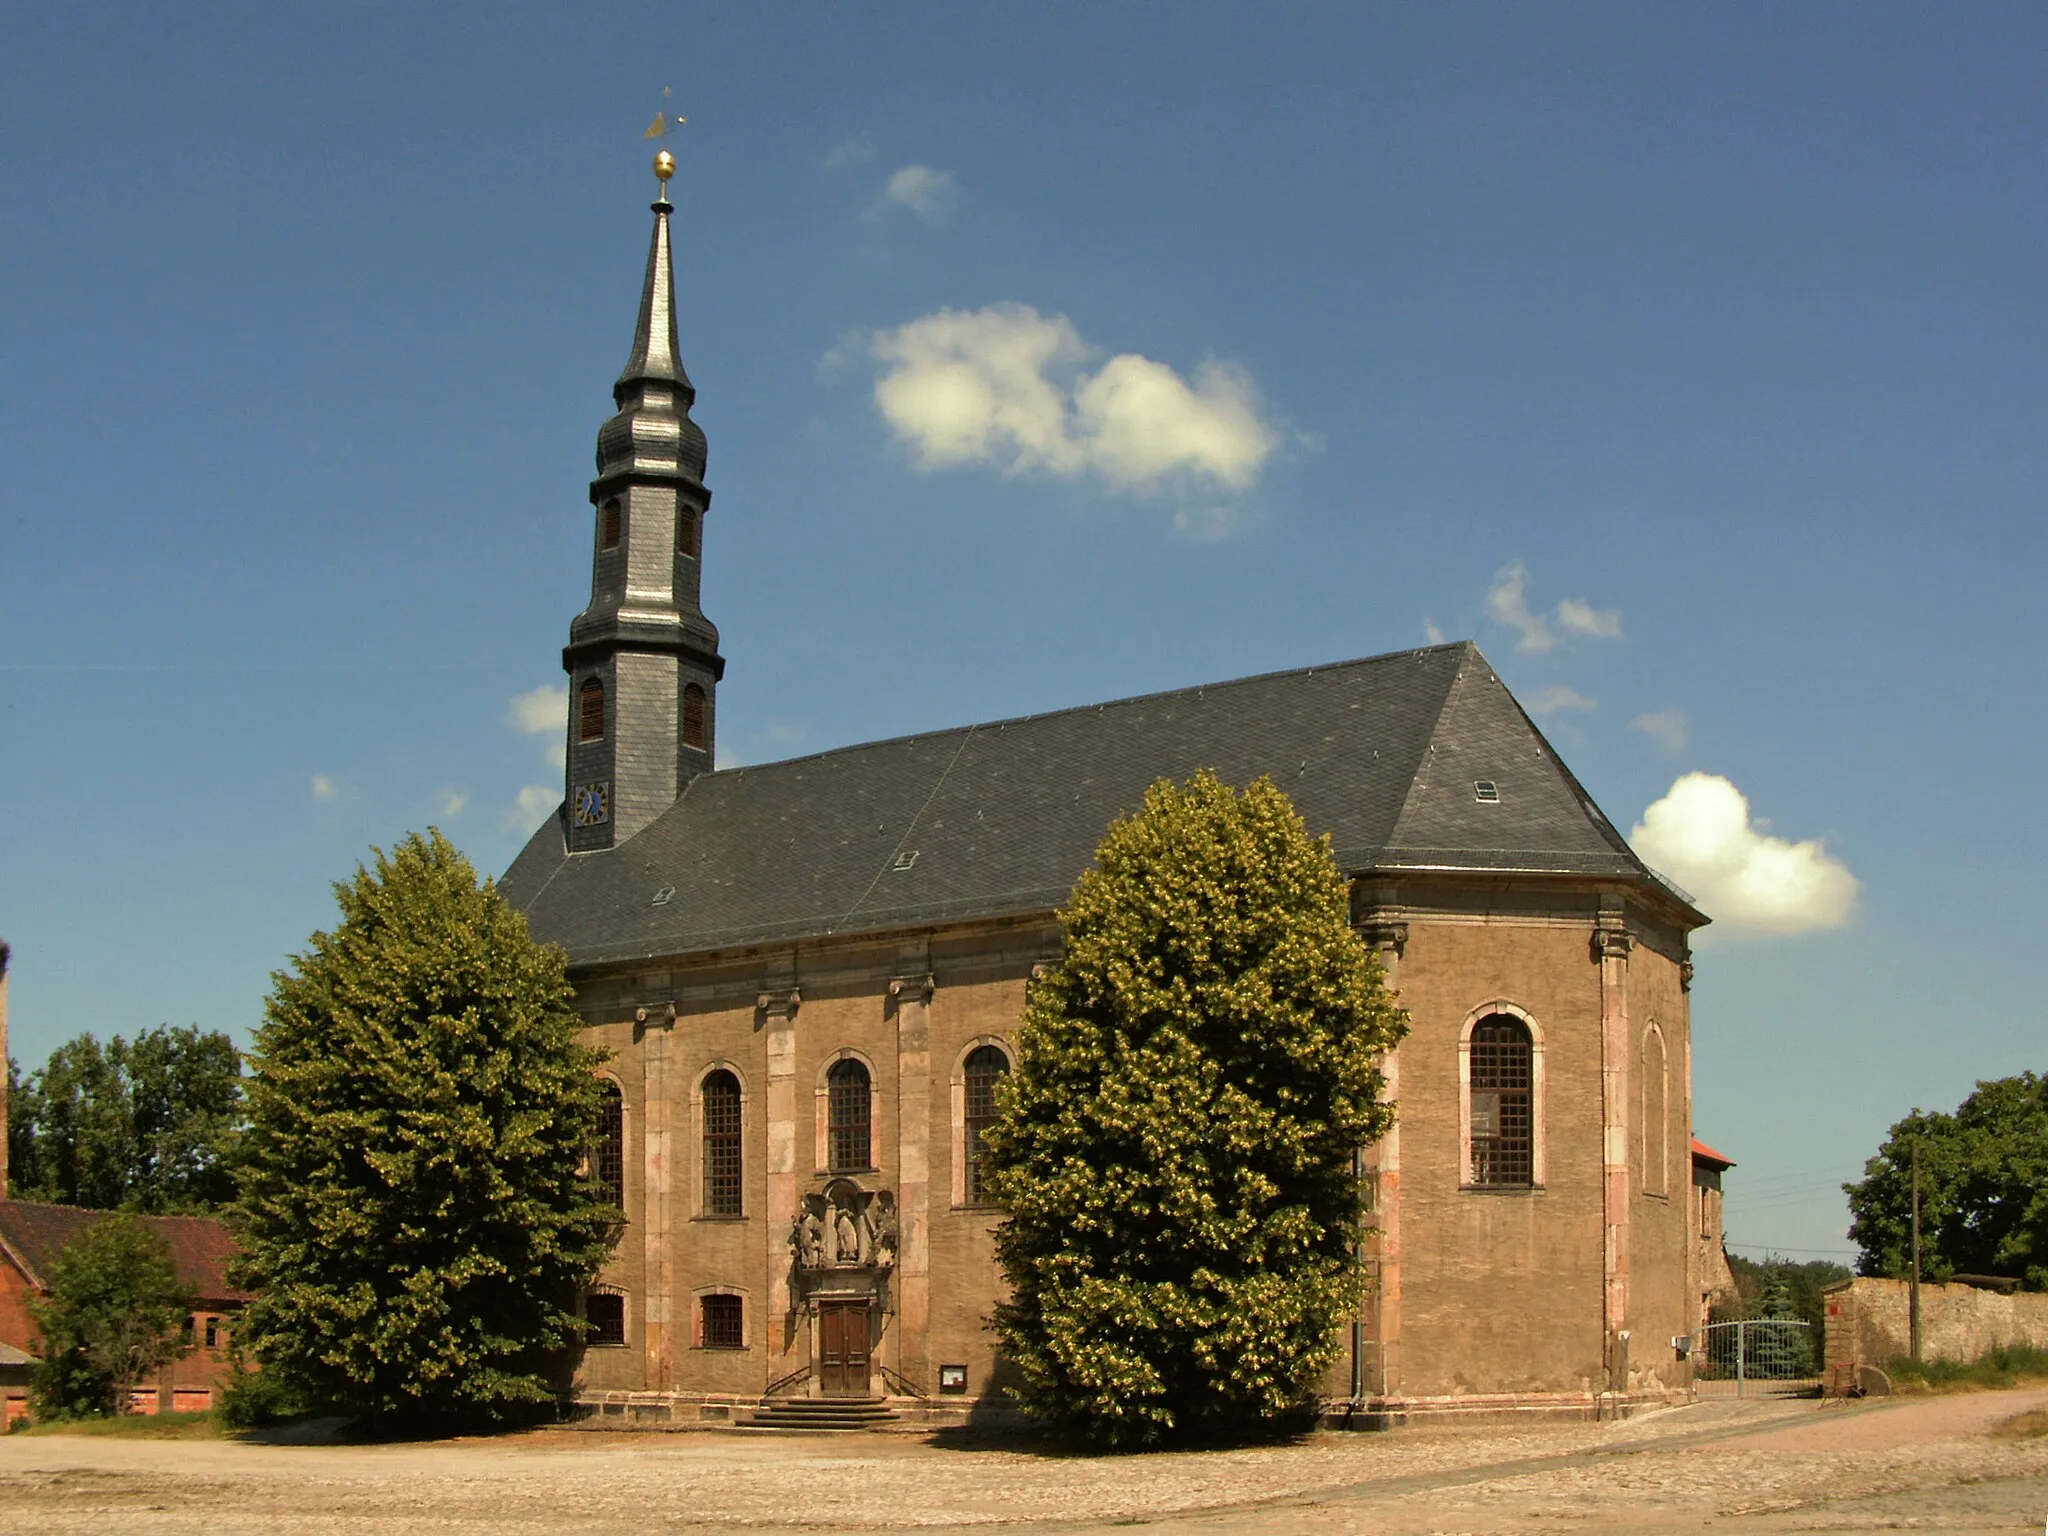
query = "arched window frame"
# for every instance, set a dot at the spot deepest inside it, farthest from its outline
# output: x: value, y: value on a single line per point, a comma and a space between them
x: 701, y: 1103
x: 596, y: 1340
x: 590, y: 710
x: 610, y: 524
x: 1653, y: 1114
x: 963, y: 1196
x: 1538, y: 1116
x: 696, y: 716
x: 698, y: 1308
x: 615, y: 1176
x: 689, y: 531
x: 824, y: 1107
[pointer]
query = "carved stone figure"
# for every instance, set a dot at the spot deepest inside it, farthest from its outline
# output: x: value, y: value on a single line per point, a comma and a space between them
x: 848, y: 1234
x: 810, y: 1239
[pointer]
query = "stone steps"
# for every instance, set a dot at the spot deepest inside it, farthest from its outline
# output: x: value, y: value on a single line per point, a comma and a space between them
x: 820, y: 1413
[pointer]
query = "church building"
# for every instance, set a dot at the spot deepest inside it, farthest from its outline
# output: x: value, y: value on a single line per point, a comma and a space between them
x: 809, y: 976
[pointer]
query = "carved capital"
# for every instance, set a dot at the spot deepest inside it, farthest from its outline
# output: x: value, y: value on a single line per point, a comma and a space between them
x: 1611, y: 944
x: 1384, y: 936
x: 913, y: 989
x: 781, y: 1003
x: 662, y: 1014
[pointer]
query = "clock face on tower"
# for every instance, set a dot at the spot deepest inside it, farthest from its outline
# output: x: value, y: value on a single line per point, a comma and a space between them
x: 592, y: 804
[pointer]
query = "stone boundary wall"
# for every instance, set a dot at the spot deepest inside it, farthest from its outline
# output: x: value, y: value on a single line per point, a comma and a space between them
x: 1867, y: 1323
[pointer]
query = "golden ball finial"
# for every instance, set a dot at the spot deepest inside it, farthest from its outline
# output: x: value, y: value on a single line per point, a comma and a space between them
x: 664, y: 165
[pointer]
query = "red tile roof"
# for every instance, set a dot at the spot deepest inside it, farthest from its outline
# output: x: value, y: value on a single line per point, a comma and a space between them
x: 32, y: 1234
x: 1702, y: 1153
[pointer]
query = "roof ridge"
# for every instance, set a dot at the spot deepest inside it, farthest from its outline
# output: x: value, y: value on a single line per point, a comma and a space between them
x: 1083, y: 709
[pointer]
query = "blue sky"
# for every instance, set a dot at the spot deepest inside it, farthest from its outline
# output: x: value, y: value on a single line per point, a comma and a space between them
x: 1693, y: 361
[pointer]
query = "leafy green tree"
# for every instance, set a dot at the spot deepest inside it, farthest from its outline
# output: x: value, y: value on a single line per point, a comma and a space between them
x: 412, y: 1211
x: 1176, y: 1147
x: 138, y: 1125
x: 1983, y: 1188
x: 113, y: 1314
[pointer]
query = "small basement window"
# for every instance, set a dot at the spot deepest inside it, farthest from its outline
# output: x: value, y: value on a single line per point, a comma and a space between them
x: 1486, y: 792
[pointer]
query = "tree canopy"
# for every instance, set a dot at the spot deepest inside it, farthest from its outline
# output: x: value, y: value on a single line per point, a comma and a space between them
x: 142, y: 1125
x: 1983, y: 1188
x: 412, y: 1208
x: 1175, y: 1150
x: 114, y: 1313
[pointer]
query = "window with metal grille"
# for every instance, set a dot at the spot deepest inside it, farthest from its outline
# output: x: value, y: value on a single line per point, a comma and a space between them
x: 721, y: 1144
x: 590, y: 710
x: 608, y: 1146
x: 687, y: 532
x: 611, y: 524
x: 693, y: 716
x: 1503, y: 1139
x: 848, y: 1105
x: 605, y: 1311
x: 723, y: 1322
x: 986, y: 1065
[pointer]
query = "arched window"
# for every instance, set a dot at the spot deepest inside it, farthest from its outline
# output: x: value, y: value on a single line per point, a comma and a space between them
x: 721, y: 1321
x: 590, y: 710
x: 848, y: 1110
x: 1503, y: 1126
x: 721, y: 1096
x: 687, y: 534
x: 986, y: 1065
x: 693, y: 716
x: 612, y: 524
x: 608, y: 1145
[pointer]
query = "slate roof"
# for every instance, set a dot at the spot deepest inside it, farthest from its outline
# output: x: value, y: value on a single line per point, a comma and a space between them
x: 32, y: 1234
x: 1382, y: 754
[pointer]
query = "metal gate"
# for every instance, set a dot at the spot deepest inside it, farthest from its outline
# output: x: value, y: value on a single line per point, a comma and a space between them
x: 1758, y: 1357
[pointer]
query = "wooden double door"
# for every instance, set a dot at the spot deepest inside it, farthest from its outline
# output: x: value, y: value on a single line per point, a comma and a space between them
x: 843, y: 1348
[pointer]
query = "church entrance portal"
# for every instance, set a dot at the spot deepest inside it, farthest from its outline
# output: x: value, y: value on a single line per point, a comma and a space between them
x: 843, y: 1348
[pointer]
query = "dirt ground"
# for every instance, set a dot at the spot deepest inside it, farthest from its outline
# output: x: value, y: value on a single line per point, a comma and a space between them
x: 1933, y: 1464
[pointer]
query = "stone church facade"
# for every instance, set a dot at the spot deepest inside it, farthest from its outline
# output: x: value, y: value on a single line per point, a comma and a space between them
x: 809, y: 975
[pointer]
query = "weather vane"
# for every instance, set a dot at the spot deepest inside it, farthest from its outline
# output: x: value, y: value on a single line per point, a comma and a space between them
x: 664, y: 162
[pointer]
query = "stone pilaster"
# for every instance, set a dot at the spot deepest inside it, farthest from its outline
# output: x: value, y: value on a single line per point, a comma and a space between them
x: 1611, y: 946
x: 785, y: 1335
x: 911, y: 996
x: 654, y: 1026
x: 1380, y: 1353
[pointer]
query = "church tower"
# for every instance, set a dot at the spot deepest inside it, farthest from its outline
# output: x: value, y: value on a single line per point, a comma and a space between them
x: 642, y: 659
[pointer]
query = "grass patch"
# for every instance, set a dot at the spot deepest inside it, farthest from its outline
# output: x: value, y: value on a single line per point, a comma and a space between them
x: 2025, y: 1426
x: 2004, y: 1365
x: 135, y: 1426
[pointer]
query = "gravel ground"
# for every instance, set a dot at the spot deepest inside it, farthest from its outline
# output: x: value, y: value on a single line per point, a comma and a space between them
x: 1727, y: 1466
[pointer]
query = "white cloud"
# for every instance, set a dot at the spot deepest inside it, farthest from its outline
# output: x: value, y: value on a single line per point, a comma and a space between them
x: 534, y: 802
x: 452, y: 803
x: 546, y: 708
x: 1552, y: 697
x: 1666, y: 727
x: 324, y: 787
x: 1507, y: 603
x: 1702, y: 835
x: 857, y: 150
x: 926, y: 192
x: 544, y: 711
x: 1582, y: 618
x: 784, y: 733
x: 1005, y: 387
x: 1431, y: 633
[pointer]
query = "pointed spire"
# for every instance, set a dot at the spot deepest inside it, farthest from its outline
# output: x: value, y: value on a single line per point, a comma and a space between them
x: 656, y: 358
